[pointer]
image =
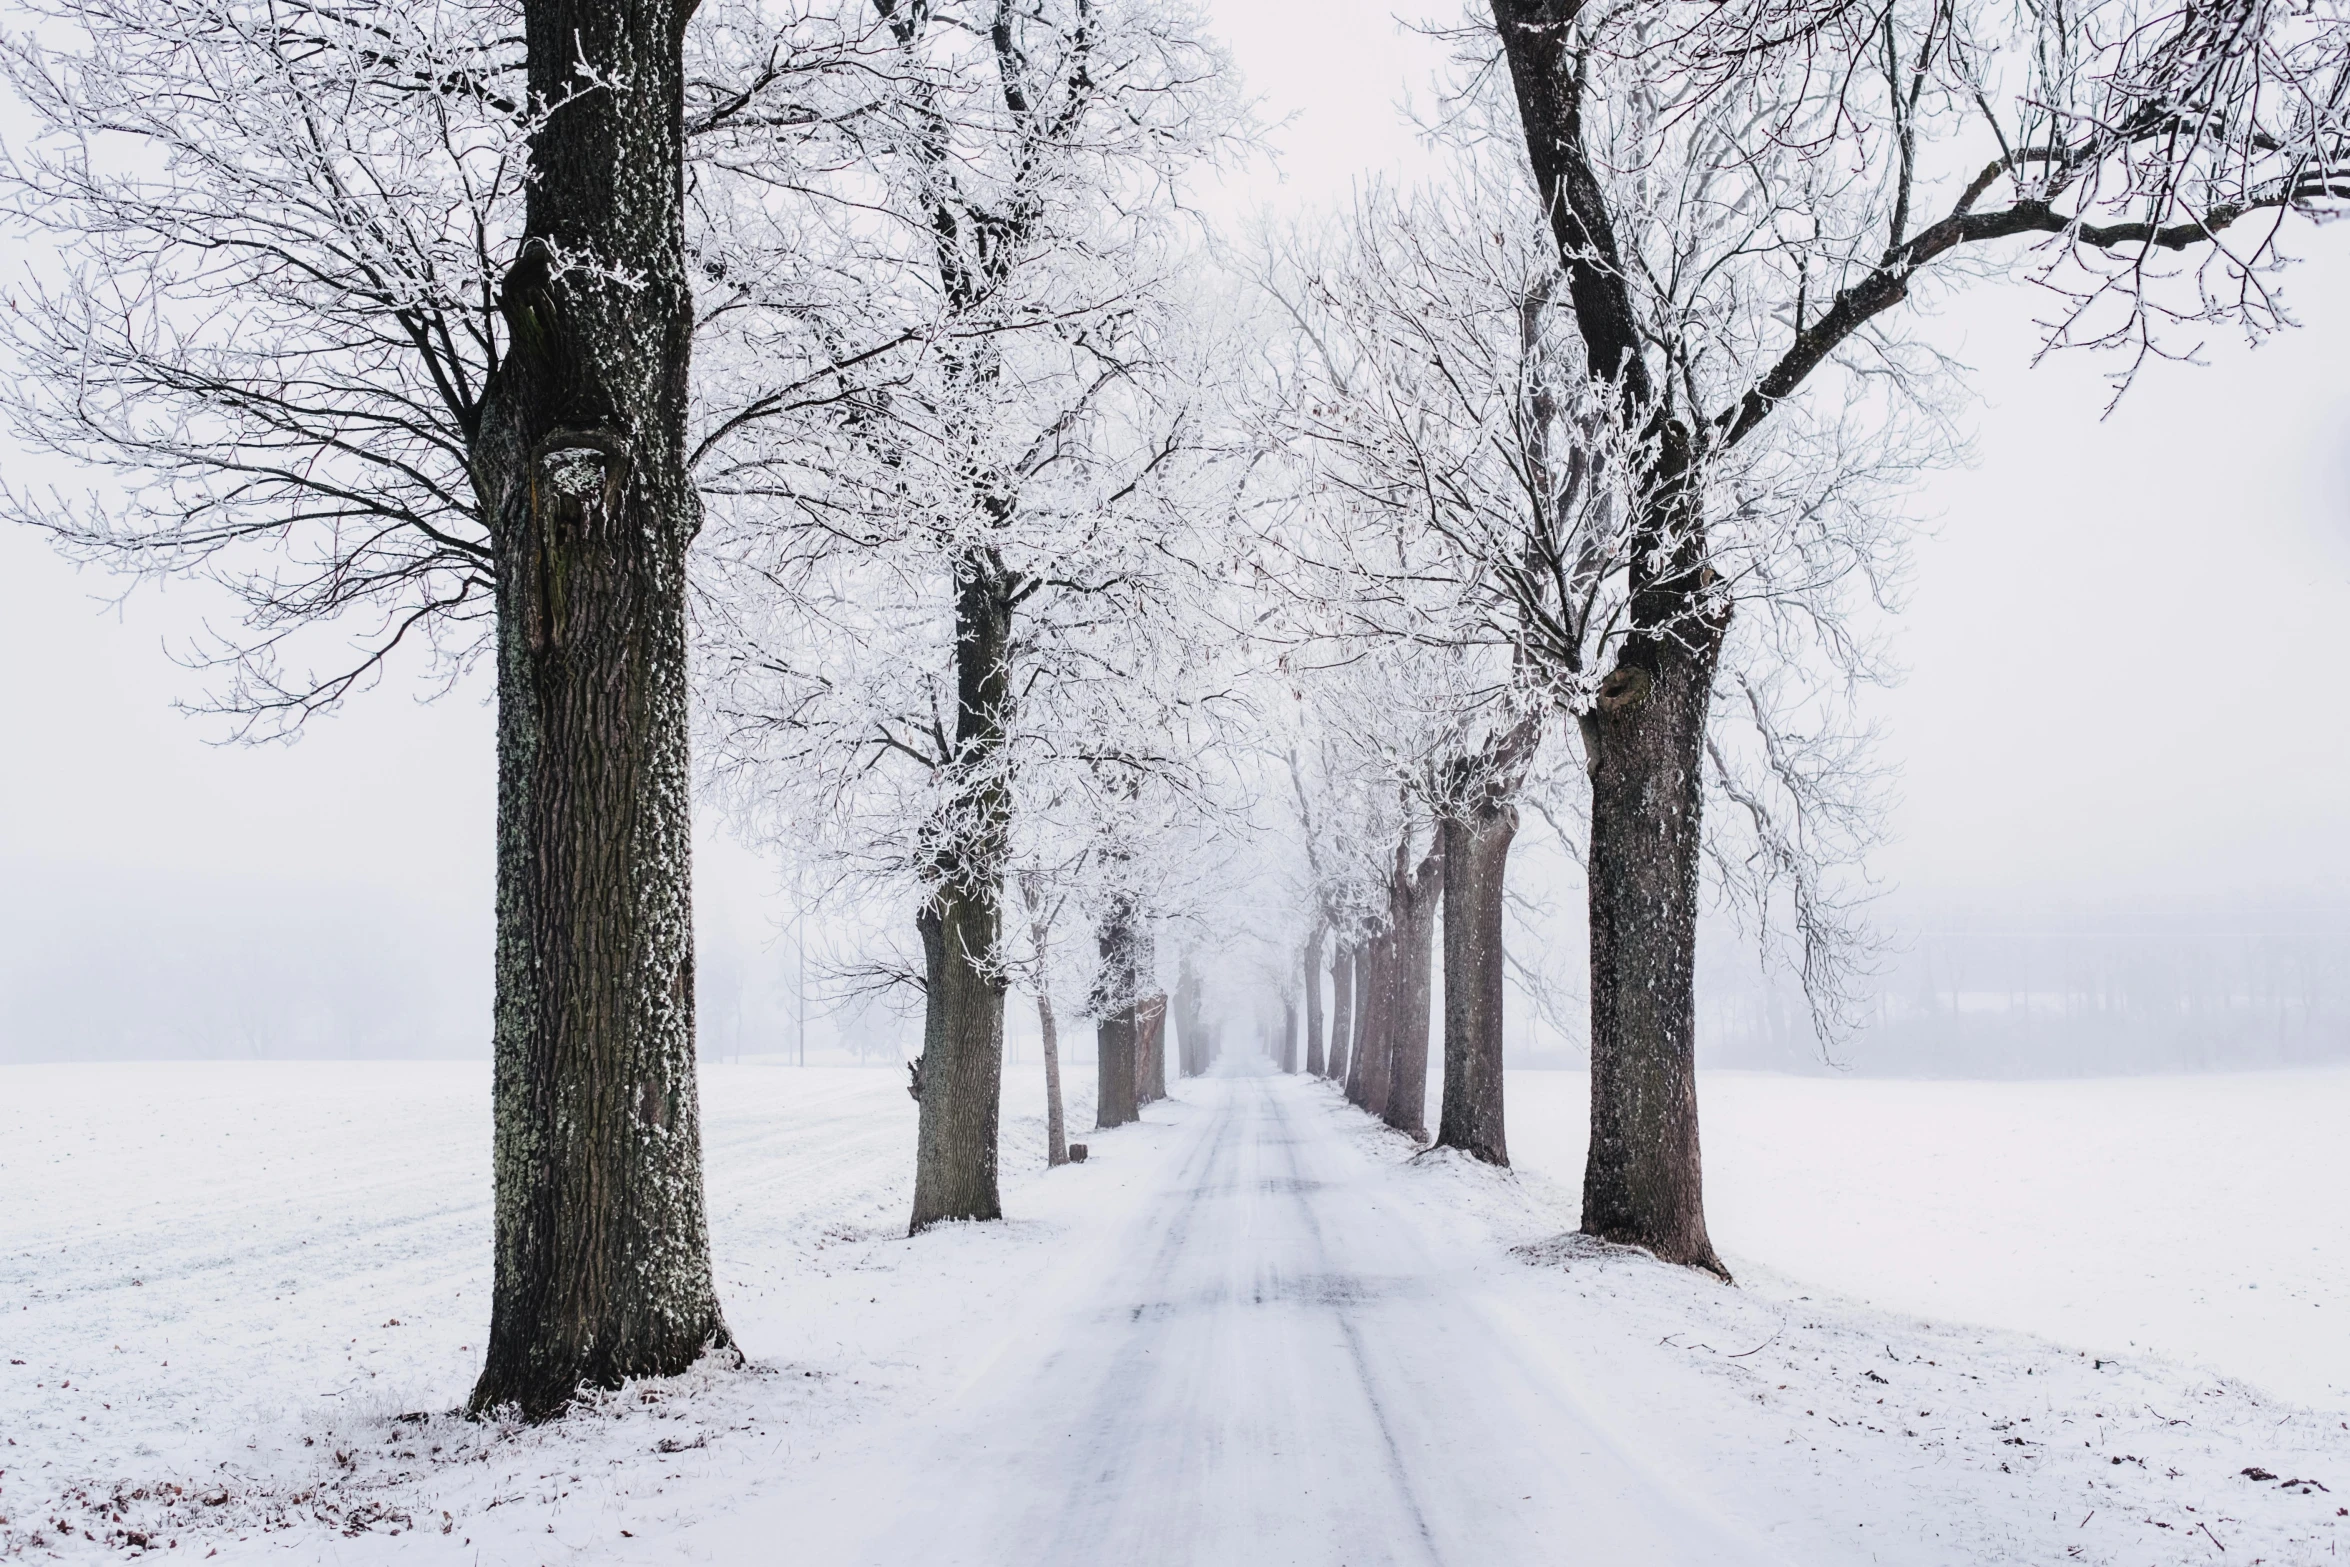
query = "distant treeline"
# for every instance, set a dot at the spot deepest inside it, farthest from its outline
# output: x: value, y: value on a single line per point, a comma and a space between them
x: 1984, y: 997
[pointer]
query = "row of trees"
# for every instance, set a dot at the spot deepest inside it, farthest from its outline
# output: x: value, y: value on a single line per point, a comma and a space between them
x: 1616, y: 459
x: 846, y: 383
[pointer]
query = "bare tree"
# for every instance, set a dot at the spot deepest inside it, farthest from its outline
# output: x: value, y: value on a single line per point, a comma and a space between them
x: 1340, y: 769
x: 1736, y: 195
x: 1435, y: 404
x: 890, y: 617
x: 275, y: 321
x: 603, y: 1250
x: 384, y: 321
x: 1465, y: 511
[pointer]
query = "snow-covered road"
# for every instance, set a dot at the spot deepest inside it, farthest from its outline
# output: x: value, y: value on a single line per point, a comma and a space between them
x: 1264, y: 1357
x: 238, y: 1304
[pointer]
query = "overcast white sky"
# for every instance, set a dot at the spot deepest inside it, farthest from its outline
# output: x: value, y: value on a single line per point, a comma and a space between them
x: 2125, y: 645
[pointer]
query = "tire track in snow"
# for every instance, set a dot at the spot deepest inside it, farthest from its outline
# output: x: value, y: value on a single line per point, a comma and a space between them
x: 1299, y: 1189
x: 1264, y: 1354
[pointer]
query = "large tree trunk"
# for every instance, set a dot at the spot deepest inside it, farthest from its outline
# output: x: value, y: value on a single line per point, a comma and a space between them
x: 1370, y: 993
x: 1386, y: 993
x: 1642, y: 1180
x: 1370, y: 983
x: 602, y: 1261
x: 1475, y: 830
x: 1056, y: 1127
x: 1147, y: 1041
x: 1150, y: 1017
x: 1476, y: 863
x: 1150, y: 1049
x: 1289, y: 1032
x: 960, y: 1078
x: 1115, y: 1103
x: 1313, y: 981
x: 1405, y: 1105
x: 1190, y: 1042
x: 1117, y: 1098
x: 1342, y: 1011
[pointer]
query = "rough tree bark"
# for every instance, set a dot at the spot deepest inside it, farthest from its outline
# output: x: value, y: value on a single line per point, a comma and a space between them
x: 1476, y: 862
x: 1342, y: 1010
x: 1644, y: 742
x: 1114, y: 1098
x: 959, y: 1078
x: 1476, y: 829
x: 1405, y: 1106
x: 1313, y: 983
x: 1370, y: 992
x: 1117, y: 1029
x: 1365, y: 965
x: 602, y: 1265
x: 1150, y: 1050
x: 1386, y: 994
x: 1643, y: 1179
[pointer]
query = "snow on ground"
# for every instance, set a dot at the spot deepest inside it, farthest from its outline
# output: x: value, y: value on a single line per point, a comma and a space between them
x: 2202, y: 1218
x: 1253, y: 1329
x: 228, y: 1282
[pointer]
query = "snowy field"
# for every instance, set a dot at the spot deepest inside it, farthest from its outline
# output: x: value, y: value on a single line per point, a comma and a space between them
x: 1977, y: 1323
x: 2203, y: 1218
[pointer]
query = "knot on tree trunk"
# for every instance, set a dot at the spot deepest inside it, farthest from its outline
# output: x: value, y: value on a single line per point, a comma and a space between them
x: 575, y: 469
x: 534, y: 315
x: 1625, y: 688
